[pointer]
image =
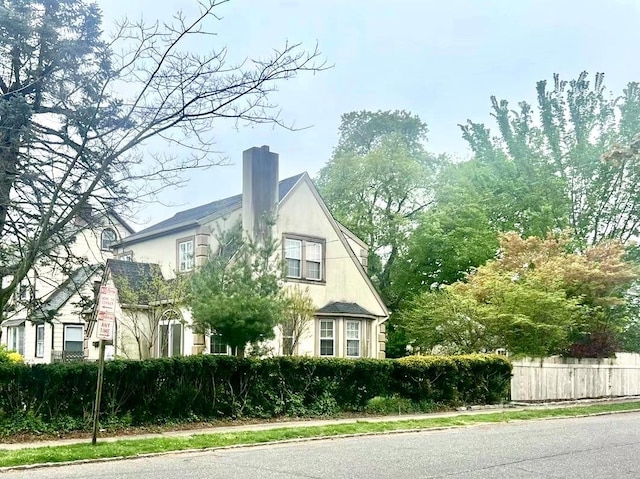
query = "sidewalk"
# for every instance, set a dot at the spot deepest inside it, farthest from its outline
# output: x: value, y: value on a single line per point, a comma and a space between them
x: 321, y: 422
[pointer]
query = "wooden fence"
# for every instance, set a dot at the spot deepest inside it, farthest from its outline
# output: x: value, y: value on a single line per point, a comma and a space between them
x: 551, y: 379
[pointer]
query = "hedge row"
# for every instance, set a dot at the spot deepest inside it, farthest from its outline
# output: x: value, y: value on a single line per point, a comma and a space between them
x: 60, y: 396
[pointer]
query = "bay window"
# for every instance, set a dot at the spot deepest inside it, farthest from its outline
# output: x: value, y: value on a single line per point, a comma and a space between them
x: 353, y: 335
x: 327, y: 337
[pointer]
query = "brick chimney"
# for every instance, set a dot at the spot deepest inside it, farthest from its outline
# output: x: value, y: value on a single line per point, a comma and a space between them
x: 259, y: 191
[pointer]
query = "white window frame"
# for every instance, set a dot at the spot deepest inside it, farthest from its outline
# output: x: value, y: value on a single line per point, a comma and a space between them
x: 15, y: 338
x: 308, y: 247
x: 293, y: 254
x: 185, y: 255
x: 107, y: 246
x: 65, y: 335
x: 212, y: 337
x: 352, y: 339
x: 169, y: 324
x: 302, y: 254
x: 40, y: 333
x: 322, y: 337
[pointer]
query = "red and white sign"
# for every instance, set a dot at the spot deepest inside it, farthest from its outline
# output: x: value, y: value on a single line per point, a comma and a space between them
x: 107, y: 299
x: 106, y: 326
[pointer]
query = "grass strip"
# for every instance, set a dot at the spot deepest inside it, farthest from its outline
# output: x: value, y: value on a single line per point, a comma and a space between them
x: 134, y: 447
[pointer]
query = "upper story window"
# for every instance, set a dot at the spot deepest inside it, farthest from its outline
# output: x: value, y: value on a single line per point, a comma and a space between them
x: 107, y: 238
x: 24, y: 292
x: 304, y: 258
x: 185, y: 255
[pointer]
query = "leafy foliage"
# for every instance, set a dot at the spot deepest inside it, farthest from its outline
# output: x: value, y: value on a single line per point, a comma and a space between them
x: 9, y: 356
x: 76, y: 106
x: 537, y: 299
x: 204, y: 387
x: 145, y: 305
x: 378, y: 179
x: 550, y: 167
x: 238, y: 293
x: 298, y: 315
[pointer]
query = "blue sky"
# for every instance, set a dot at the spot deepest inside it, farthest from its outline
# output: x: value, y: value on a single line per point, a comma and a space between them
x: 440, y: 60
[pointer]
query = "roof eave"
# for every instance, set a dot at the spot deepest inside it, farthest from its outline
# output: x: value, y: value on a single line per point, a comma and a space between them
x: 154, y: 234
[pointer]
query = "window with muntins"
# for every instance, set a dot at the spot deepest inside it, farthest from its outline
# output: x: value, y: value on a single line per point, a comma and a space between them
x: 327, y: 337
x: 293, y: 257
x: 39, y: 340
x: 313, y: 261
x: 353, y: 331
x: 185, y: 255
x: 304, y: 259
x: 217, y: 345
x: 107, y: 238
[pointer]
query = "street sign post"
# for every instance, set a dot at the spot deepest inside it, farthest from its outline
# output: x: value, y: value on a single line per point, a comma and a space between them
x: 106, y: 316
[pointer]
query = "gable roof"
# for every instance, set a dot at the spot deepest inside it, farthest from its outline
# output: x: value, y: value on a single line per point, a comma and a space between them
x: 341, y: 236
x: 345, y: 309
x: 65, y: 291
x: 136, y: 275
x: 191, y: 217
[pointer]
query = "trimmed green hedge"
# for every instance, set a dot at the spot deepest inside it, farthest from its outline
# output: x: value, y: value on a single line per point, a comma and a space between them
x: 59, y: 397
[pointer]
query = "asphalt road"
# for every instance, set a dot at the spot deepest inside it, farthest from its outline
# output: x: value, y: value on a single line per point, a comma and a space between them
x: 594, y: 447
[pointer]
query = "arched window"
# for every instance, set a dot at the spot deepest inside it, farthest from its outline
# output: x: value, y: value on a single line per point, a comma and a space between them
x: 170, y: 334
x: 107, y: 238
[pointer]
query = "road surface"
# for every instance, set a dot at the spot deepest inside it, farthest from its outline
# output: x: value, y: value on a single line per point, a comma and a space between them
x: 594, y: 447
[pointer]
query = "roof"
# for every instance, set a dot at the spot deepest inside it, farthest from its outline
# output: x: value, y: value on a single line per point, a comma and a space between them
x: 190, y: 217
x: 121, y: 220
x: 65, y: 291
x: 344, y: 309
x: 136, y: 275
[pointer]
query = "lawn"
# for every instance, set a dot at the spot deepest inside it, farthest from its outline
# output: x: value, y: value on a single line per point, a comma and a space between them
x: 133, y: 447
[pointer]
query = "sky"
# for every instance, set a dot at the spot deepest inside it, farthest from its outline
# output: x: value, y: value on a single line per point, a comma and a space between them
x: 439, y: 60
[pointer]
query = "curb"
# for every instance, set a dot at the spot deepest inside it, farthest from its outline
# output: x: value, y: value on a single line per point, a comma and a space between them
x: 298, y: 440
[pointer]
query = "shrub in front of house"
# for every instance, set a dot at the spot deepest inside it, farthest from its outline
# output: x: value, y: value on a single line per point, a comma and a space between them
x: 59, y: 397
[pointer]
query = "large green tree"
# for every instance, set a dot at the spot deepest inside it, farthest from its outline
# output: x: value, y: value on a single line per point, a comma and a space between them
x: 377, y: 181
x: 548, y: 169
x: 77, y: 105
x: 451, y: 238
x: 537, y: 298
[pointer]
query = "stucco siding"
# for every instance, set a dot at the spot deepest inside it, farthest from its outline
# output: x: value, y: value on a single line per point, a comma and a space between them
x: 300, y: 213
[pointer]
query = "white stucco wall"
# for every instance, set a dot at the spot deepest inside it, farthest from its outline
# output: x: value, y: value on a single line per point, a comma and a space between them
x: 301, y: 214
x: 163, y: 250
x: 343, y: 279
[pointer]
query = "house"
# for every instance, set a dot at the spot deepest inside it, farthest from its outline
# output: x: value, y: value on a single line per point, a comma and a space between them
x: 47, y: 320
x: 319, y: 255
